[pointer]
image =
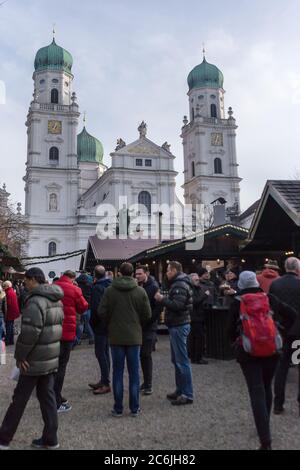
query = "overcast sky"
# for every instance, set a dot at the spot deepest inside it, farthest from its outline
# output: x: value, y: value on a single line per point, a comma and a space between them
x: 131, y: 62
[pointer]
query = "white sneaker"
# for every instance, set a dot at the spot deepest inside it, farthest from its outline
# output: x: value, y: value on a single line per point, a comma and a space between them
x: 64, y: 408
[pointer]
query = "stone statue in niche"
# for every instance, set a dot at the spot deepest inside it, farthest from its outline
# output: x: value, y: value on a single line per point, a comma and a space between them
x: 53, y: 205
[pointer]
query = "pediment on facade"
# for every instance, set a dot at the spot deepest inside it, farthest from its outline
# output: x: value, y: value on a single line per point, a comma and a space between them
x: 142, y: 146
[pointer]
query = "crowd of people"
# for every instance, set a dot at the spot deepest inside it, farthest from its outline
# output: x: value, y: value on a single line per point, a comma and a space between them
x: 120, y: 318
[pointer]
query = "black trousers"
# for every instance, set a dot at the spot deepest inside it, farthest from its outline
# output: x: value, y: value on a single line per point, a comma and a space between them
x: 282, y: 373
x: 46, y: 396
x: 146, y: 359
x: 65, y: 351
x: 259, y: 374
x: 196, y: 341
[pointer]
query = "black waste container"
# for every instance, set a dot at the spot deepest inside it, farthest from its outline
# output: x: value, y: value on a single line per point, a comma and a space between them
x: 218, y: 344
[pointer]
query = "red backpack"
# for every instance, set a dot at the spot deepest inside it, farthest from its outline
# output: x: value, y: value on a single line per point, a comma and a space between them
x: 260, y: 337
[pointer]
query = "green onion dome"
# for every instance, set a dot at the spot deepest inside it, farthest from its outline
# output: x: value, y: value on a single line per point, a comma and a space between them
x: 89, y: 149
x: 53, y: 57
x: 205, y: 75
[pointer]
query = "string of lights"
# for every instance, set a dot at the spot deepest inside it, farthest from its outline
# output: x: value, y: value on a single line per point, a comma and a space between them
x: 53, y: 257
x: 63, y: 258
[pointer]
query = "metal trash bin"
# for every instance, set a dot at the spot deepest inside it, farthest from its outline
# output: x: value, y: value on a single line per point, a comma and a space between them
x: 218, y: 344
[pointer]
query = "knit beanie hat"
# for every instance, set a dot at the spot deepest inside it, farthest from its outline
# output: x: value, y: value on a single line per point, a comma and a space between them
x: 37, y: 274
x: 200, y: 271
x: 247, y: 280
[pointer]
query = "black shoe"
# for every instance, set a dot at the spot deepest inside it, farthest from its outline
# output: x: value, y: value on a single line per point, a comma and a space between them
x: 182, y: 401
x: 172, y: 396
x: 64, y: 401
x: 39, y: 444
x: 142, y: 387
x: 278, y: 411
x: 147, y: 391
x: 265, y: 447
x: 4, y: 446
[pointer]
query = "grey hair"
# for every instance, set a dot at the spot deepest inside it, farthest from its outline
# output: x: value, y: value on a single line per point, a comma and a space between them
x: 292, y: 264
x: 193, y: 274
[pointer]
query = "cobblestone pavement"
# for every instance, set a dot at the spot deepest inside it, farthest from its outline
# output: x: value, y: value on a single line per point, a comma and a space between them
x: 220, y: 417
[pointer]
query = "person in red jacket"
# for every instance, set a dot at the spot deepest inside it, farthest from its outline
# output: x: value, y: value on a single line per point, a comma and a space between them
x: 269, y: 274
x: 73, y: 303
x: 12, y: 313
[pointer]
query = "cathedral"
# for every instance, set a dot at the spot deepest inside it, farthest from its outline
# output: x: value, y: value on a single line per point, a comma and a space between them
x: 67, y: 184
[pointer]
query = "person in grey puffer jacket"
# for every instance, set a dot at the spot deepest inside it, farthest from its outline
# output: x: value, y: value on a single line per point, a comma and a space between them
x: 179, y: 306
x: 37, y: 353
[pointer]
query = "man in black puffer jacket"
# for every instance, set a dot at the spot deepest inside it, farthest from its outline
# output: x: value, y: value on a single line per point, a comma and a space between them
x: 100, y: 332
x: 287, y: 289
x: 151, y: 287
x: 37, y: 353
x: 179, y: 307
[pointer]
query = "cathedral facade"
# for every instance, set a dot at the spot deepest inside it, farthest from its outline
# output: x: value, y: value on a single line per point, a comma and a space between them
x: 67, y: 184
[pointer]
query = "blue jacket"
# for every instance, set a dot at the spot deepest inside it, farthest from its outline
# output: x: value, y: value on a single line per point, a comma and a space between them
x: 97, y: 293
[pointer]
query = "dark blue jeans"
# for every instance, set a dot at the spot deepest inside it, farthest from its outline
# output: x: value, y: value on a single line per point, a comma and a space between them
x: 180, y: 359
x: 1, y: 327
x: 132, y: 356
x: 86, y: 325
x: 9, y: 337
x: 102, y: 355
x: 259, y: 374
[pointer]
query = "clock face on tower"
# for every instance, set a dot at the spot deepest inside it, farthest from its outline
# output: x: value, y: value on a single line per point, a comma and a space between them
x: 217, y: 139
x: 54, y: 127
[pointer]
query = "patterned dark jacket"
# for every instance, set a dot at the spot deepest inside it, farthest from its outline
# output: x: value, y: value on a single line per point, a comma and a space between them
x: 179, y: 303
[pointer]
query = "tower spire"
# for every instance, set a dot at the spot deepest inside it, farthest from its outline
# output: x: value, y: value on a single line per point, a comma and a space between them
x: 203, y: 51
x: 54, y: 31
x: 84, y: 118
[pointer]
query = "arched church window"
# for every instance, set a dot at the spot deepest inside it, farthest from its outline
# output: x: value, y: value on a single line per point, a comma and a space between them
x: 54, y: 96
x: 145, y: 200
x: 52, y: 249
x: 54, y: 155
x: 213, y: 110
x: 193, y: 169
x: 218, y: 166
x: 53, y: 203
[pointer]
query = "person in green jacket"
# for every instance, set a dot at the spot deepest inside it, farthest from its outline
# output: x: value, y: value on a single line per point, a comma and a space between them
x: 37, y: 353
x: 125, y: 308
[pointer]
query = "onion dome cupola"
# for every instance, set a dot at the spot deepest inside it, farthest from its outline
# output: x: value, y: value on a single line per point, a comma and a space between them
x: 205, y: 75
x: 89, y: 149
x: 53, y: 57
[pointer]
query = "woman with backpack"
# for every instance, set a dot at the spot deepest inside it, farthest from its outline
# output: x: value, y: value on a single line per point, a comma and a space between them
x: 258, y: 344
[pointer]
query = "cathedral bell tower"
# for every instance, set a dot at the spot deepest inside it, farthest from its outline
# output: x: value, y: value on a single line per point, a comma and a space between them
x: 52, y: 174
x: 210, y: 162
